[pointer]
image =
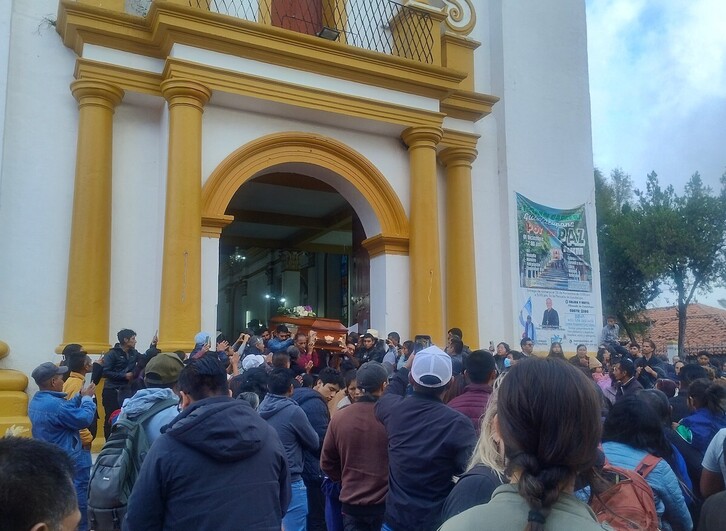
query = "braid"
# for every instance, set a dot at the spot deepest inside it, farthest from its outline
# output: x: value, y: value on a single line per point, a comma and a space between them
x: 539, y: 486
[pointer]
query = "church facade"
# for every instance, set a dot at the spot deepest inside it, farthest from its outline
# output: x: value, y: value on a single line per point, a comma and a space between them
x: 146, y: 143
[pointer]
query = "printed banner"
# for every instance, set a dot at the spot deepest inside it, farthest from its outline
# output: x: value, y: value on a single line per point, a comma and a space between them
x: 555, y: 277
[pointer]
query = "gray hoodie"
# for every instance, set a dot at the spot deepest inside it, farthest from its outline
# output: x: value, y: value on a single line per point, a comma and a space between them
x: 293, y: 427
x: 142, y: 400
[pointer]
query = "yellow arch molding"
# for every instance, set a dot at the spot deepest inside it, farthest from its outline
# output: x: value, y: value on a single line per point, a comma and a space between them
x: 296, y: 147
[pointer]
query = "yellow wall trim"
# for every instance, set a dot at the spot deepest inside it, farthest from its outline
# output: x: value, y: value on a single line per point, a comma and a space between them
x: 168, y: 23
x: 128, y: 79
x: 212, y: 225
x: 459, y: 139
x: 299, y: 96
x: 382, y: 244
x: 466, y: 105
x: 297, y: 147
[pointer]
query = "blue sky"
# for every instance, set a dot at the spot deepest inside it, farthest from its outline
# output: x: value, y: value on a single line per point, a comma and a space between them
x: 658, y: 90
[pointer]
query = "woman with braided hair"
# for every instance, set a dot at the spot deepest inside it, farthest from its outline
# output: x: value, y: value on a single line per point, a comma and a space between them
x: 548, y: 424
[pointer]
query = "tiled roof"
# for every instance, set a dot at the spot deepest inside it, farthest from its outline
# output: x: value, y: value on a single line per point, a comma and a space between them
x: 705, y: 326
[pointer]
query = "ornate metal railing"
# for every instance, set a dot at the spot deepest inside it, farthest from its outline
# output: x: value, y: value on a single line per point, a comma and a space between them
x: 385, y: 26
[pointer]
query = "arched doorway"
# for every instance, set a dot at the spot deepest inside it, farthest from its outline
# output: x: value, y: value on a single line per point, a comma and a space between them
x: 338, y: 188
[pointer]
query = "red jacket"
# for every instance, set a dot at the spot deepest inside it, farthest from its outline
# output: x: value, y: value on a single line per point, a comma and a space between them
x: 473, y: 403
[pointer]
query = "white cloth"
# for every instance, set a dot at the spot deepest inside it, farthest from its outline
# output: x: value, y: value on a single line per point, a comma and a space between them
x: 714, y: 460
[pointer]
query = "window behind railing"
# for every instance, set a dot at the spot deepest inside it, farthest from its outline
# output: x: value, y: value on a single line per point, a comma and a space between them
x: 384, y: 26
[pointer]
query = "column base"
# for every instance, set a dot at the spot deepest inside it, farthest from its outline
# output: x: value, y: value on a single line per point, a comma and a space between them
x: 173, y: 346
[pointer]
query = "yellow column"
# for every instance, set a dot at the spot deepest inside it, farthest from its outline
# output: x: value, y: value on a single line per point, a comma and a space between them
x: 461, y: 307
x: 181, y: 278
x: 424, y: 253
x: 89, y: 266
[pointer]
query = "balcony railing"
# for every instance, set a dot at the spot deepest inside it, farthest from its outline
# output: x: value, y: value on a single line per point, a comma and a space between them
x: 380, y: 25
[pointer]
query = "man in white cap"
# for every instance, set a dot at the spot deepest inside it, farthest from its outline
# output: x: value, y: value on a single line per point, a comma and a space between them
x: 57, y: 420
x: 428, y: 442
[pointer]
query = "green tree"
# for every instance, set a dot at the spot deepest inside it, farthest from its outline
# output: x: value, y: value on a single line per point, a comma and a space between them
x: 681, y: 239
x: 626, y: 286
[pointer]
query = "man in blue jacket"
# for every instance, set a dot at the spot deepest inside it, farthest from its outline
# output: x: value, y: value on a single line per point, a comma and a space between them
x: 217, y: 466
x: 314, y: 402
x: 57, y: 420
x: 296, y: 434
x: 428, y: 442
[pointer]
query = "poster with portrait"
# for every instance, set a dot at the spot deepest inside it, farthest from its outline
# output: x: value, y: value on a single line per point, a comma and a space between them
x: 556, y: 301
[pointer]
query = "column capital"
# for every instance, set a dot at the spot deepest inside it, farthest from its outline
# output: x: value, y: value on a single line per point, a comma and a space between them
x: 96, y: 92
x: 186, y: 92
x: 458, y: 156
x: 422, y: 136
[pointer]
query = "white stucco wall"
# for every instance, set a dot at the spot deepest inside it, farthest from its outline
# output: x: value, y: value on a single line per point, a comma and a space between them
x: 537, y: 53
x: 36, y: 186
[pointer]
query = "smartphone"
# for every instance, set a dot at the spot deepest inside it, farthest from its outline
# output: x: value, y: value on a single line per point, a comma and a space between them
x: 209, y: 343
x: 421, y: 342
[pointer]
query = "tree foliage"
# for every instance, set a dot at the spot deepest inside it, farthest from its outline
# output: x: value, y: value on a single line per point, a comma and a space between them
x: 627, y: 288
x: 676, y: 240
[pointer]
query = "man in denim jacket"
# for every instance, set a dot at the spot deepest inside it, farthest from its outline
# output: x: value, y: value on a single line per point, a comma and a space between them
x: 57, y: 420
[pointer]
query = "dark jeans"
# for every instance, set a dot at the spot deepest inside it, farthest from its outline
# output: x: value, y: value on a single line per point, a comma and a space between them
x: 362, y: 523
x: 109, y: 397
x: 316, y: 506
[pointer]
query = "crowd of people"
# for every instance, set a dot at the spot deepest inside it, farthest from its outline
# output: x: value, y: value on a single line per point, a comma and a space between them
x: 270, y: 432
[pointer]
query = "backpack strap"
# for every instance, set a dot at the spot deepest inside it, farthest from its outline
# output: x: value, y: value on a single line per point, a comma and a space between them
x: 647, y: 464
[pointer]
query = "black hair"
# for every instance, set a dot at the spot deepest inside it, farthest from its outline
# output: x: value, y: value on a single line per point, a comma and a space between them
x: 458, y: 345
x: 549, y: 421
x: 202, y: 378
x: 331, y: 376
x: 479, y: 366
x: 349, y: 377
x: 309, y: 380
x: 280, y: 360
x: 657, y: 400
x: 627, y: 367
x: 628, y: 422
x: 77, y: 362
x: 353, y: 337
x: 516, y: 355
x: 560, y: 354
x: 125, y: 335
x: 279, y: 381
x: 634, y: 344
x: 457, y: 332
x: 705, y: 394
x: 505, y: 345
x: 369, y: 336
x: 525, y: 340
x: 36, y: 484
x: 281, y: 328
x: 395, y: 336
x: 691, y: 372
x: 409, y: 346
x: 254, y: 380
x: 650, y: 342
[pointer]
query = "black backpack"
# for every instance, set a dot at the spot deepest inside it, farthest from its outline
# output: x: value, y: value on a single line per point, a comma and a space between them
x: 116, y: 468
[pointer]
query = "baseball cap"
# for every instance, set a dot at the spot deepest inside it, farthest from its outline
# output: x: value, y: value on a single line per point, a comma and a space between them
x: 374, y: 333
x: 252, y: 361
x: 163, y: 369
x: 371, y: 375
x: 201, y: 338
x: 431, y: 367
x: 46, y: 371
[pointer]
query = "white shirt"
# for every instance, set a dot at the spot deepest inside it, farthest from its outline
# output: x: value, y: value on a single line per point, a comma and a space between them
x: 714, y: 460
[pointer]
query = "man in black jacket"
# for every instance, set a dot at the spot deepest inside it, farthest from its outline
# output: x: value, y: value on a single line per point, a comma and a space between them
x: 314, y: 402
x: 428, y: 442
x: 118, y: 370
x: 219, y: 465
